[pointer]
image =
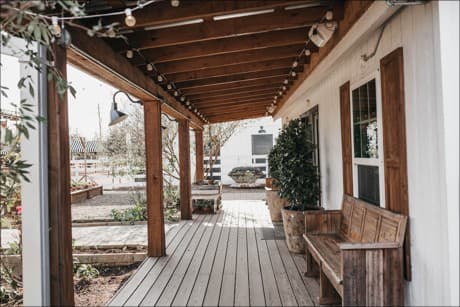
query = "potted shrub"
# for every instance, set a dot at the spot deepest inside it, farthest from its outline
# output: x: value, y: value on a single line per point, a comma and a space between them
x: 274, y: 202
x: 298, y: 181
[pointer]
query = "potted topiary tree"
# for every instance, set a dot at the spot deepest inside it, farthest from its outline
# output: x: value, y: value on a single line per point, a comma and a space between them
x: 298, y: 181
x: 274, y: 202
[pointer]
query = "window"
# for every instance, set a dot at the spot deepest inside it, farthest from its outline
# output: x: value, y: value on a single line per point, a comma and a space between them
x: 367, y: 166
x: 262, y: 144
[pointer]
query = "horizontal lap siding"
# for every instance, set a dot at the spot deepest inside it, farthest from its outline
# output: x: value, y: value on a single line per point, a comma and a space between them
x: 413, y: 30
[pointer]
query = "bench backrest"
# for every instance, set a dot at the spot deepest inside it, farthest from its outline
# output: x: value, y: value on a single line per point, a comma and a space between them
x: 366, y: 223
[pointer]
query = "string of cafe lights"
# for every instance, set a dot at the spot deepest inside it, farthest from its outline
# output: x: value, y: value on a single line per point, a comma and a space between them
x: 328, y: 16
x: 57, y: 28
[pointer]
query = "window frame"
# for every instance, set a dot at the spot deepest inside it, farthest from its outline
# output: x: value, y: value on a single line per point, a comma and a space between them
x: 379, y: 162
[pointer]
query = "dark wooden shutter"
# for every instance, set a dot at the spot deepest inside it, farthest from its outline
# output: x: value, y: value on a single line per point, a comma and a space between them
x: 394, y: 140
x: 345, y: 120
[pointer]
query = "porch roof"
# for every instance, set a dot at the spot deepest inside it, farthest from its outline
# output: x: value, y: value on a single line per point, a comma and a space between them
x: 225, y: 60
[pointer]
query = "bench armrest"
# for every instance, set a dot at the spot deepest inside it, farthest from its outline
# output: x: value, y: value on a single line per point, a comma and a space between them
x: 378, y: 245
x: 323, y: 221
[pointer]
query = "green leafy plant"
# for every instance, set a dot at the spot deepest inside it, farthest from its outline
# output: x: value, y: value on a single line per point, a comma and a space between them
x: 85, y: 271
x: 298, y: 177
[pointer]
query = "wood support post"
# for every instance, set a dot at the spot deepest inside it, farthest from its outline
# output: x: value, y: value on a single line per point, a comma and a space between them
x: 199, y: 163
x: 154, y: 167
x: 184, y: 172
x: 60, y: 221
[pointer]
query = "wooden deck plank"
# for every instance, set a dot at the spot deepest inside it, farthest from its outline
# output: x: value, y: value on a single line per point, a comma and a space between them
x: 175, y: 280
x: 200, y: 287
x: 140, y: 292
x: 256, y: 289
x: 236, y: 257
x: 160, y: 283
x: 272, y: 297
x: 215, y: 280
x: 298, y: 287
x: 242, y: 271
x: 227, y: 292
x: 185, y: 289
x: 311, y: 284
x: 133, y: 282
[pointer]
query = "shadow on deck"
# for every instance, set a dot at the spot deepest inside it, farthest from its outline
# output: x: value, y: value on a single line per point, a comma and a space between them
x: 234, y: 258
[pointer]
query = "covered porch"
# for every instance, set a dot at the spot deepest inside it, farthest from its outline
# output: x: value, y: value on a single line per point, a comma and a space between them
x: 236, y: 257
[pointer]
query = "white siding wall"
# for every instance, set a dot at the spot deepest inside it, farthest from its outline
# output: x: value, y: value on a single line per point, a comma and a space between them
x: 238, y: 150
x: 414, y: 29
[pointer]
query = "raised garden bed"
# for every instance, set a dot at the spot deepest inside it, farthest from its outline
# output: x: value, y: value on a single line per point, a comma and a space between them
x: 84, y: 194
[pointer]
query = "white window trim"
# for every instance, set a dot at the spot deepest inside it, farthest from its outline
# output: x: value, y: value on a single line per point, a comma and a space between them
x: 35, y: 225
x: 369, y: 161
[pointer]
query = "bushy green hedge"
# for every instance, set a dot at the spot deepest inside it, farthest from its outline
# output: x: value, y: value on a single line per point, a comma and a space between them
x: 291, y: 164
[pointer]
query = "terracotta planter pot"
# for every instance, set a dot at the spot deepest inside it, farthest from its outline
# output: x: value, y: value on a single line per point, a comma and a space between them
x: 269, y: 182
x: 275, y: 204
x: 294, y: 228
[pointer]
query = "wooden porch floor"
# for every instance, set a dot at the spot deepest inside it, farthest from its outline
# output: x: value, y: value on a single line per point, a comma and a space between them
x: 234, y: 258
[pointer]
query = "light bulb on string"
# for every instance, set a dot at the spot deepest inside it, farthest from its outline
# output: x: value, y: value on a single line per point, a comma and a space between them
x: 169, y: 86
x: 187, y: 102
x: 149, y: 67
x: 329, y: 15
x: 175, y: 3
x: 286, y: 81
x: 176, y: 93
x: 295, y: 64
x: 284, y: 88
x: 130, y: 54
x: 307, y: 52
x: 55, y: 28
x: 182, y: 98
x: 160, y: 78
x: 130, y: 20
x: 293, y: 73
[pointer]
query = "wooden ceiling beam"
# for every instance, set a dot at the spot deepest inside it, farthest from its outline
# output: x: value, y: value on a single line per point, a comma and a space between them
x: 229, y: 92
x: 95, y: 57
x: 163, y: 13
x: 259, y: 105
x: 234, y: 87
x: 231, y: 70
x: 210, y: 29
x: 226, y: 45
x: 222, y: 60
x: 210, y: 104
x: 240, y: 114
x: 264, y: 93
x: 234, y: 78
x: 353, y: 10
x: 235, y: 117
x: 240, y: 83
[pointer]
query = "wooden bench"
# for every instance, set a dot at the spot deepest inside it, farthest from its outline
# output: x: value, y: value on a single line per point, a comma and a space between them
x: 357, y: 253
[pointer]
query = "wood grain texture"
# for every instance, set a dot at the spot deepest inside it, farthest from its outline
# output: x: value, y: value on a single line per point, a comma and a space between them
x: 154, y: 188
x: 361, y: 259
x: 60, y: 221
x: 199, y: 156
x: 394, y: 140
x: 345, y: 125
x: 184, y: 170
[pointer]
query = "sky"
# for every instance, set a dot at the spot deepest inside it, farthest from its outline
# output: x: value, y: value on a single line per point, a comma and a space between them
x: 83, y: 109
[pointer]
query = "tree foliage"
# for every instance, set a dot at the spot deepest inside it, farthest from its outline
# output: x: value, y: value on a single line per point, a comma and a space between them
x: 298, y: 177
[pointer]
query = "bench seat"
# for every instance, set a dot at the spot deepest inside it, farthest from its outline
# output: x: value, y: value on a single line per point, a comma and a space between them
x: 325, y: 249
x: 357, y: 252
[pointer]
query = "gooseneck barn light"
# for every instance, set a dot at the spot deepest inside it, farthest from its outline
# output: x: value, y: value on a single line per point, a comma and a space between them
x: 116, y: 116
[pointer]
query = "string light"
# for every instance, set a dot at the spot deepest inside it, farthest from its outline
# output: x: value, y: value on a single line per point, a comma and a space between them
x: 129, y: 54
x: 130, y: 20
x: 284, y: 88
x: 286, y: 81
x: 295, y: 64
x: 175, y: 3
x: 293, y: 73
x: 188, y: 102
x: 160, y: 78
x: 169, y: 86
x: 182, y: 98
x: 307, y: 52
x: 176, y: 93
x: 149, y: 67
x: 329, y: 15
x: 55, y: 28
